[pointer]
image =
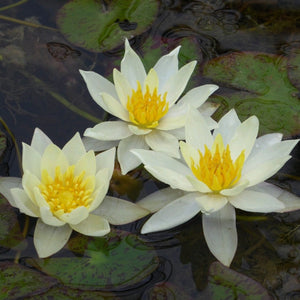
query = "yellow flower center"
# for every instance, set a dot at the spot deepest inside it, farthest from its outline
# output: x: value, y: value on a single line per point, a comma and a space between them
x: 65, y: 192
x: 216, y: 168
x: 146, y: 109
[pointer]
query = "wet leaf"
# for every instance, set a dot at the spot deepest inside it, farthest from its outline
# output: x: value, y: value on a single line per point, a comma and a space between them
x: 117, y: 260
x: 17, y: 281
x: 102, y: 25
x: 294, y: 68
x: 265, y: 90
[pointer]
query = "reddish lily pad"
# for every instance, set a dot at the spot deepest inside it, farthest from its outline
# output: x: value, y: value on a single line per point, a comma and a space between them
x: 18, y: 282
x: 103, y: 25
x: 265, y: 90
x: 115, y: 261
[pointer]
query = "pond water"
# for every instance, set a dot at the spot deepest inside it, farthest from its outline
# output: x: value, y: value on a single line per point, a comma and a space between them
x: 251, y: 49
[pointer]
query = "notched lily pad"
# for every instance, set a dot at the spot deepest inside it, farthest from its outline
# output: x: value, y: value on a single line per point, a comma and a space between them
x: 18, y: 282
x: 264, y: 90
x: 112, y: 262
x: 102, y: 25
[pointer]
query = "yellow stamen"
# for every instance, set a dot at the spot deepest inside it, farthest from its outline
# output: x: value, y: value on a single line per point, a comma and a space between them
x: 65, y: 192
x: 146, y: 109
x: 216, y: 168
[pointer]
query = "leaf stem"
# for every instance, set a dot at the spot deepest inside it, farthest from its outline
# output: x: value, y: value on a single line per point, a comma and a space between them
x: 24, y: 233
x: 12, y: 5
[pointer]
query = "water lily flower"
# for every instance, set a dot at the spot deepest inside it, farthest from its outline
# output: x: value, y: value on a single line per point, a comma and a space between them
x: 218, y: 173
x: 149, y: 115
x: 66, y: 190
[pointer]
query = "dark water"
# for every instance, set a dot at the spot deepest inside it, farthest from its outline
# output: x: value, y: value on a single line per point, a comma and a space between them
x: 38, y: 67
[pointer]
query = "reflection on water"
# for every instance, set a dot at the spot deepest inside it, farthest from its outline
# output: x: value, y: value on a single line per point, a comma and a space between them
x: 41, y: 87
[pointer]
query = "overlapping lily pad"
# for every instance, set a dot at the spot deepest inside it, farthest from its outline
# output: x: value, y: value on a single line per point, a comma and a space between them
x: 262, y: 88
x: 113, y: 262
x: 102, y: 25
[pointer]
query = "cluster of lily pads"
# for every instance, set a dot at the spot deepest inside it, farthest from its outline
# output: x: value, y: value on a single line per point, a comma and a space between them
x: 211, y: 167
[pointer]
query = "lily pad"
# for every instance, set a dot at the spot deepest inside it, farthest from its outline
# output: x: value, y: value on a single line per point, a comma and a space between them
x: 102, y: 25
x: 115, y: 261
x: 18, y: 282
x: 264, y: 90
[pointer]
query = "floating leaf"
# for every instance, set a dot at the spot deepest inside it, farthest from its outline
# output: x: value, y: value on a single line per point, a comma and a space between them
x: 117, y: 260
x: 102, y: 25
x: 294, y: 68
x: 18, y: 282
x: 265, y: 90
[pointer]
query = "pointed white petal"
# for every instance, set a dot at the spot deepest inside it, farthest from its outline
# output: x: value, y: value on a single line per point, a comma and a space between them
x: 40, y: 141
x: 114, y: 107
x: 127, y: 160
x: 96, y: 85
x: 74, y: 149
x: 189, y: 153
x: 211, y: 202
x: 110, y: 130
x: 211, y: 124
x: 164, y: 142
x: 220, y: 233
x: 123, y: 87
x: 253, y: 201
x: 25, y: 205
x: 160, y: 198
x: 97, y: 145
x: 76, y: 216
x: 175, y: 118
x: 31, y: 160
x: 48, y: 218
x: 175, y: 213
x: 151, y: 81
x: 93, y: 226
x: 118, y: 211
x: 106, y: 160
x: 29, y: 182
x: 167, y: 66
x: 49, y: 239
x: 6, y: 184
x: 198, y: 185
x: 228, y: 124
x: 208, y: 108
x: 238, y: 188
x: 132, y: 67
x: 138, y: 131
x: 197, y: 96
x: 86, y: 163
x: 244, y: 138
x: 197, y: 132
x: 176, y: 85
x: 179, y: 133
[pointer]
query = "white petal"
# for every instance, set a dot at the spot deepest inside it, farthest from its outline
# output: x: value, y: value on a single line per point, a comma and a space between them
x: 167, y: 66
x: 211, y: 124
x: 198, y: 185
x: 86, y: 163
x: 76, y: 216
x: 175, y: 213
x: 238, y: 188
x: 228, y: 124
x: 175, y: 118
x: 40, y: 141
x: 253, y: 201
x: 6, y: 184
x: 160, y: 198
x: 220, y: 233
x: 93, y: 226
x: 139, y: 131
x: 114, y: 107
x: 29, y: 182
x: 127, y: 160
x: 49, y: 239
x: 189, y: 153
x: 132, y: 67
x: 110, y: 130
x: 74, y: 149
x: 164, y: 142
x: 118, y: 211
x: 211, y: 202
x: 48, y: 217
x: 178, y: 132
x: 244, y: 138
x: 176, y: 85
x: 197, y: 96
x: 208, y: 108
x: 31, y: 160
x: 123, y: 87
x: 197, y: 132
x: 96, y: 145
x: 25, y: 205
x: 96, y: 85
x: 151, y: 81
x: 106, y: 160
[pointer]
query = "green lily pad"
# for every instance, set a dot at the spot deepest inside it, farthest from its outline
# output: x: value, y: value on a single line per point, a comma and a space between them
x: 224, y: 283
x: 18, y: 282
x: 264, y: 90
x: 294, y: 68
x: 10, y: 233
x: 102, y: 25
x: 115, y: 261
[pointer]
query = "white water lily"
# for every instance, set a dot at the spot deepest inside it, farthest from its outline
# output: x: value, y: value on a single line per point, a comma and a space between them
x: 218, y: 173
x: 146, y: 105
x: 66, y: 190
